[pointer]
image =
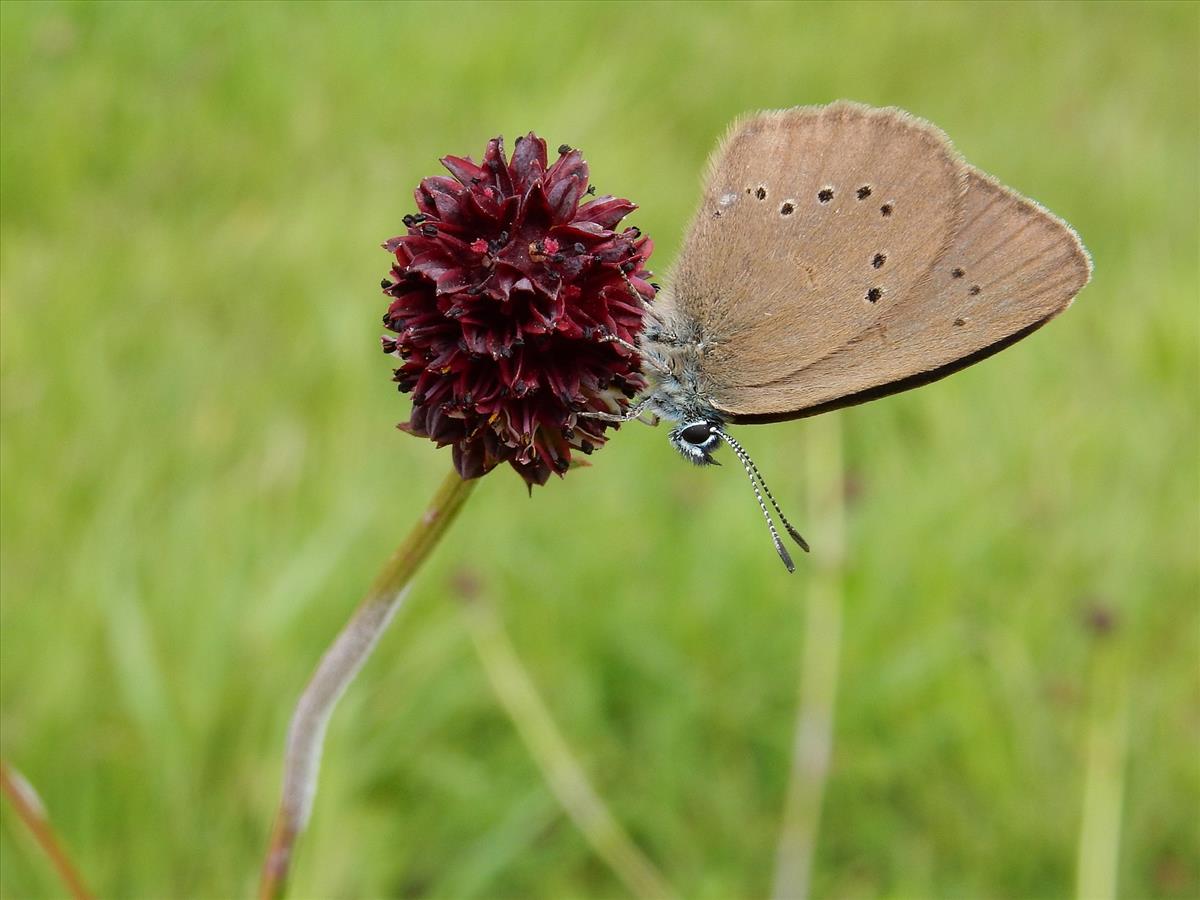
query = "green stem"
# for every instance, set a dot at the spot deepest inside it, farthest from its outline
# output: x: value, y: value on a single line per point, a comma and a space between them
x: 337, y: 668
x: 813, y: 741
x: 1104, y: 779
x: 562, y: 771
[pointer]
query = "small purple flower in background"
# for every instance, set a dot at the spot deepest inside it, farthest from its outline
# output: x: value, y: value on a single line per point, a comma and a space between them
x: 506, y: 294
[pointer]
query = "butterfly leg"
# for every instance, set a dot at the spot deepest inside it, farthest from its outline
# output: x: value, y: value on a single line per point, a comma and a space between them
x: 634, y: 412
x: 648, y: 360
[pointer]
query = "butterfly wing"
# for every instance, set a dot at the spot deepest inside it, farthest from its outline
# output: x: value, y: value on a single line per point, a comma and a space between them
x: 814, y: 221
x: 1011, y: 267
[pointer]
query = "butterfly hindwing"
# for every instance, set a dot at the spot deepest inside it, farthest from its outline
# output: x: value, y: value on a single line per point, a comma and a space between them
x: 1011, y: 267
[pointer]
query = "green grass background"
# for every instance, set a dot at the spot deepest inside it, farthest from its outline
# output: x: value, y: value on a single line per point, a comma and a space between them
x: 200, y: 472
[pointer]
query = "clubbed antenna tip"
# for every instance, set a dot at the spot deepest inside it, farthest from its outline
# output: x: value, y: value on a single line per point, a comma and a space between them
x: 784, y: 555
x: 796, y: 536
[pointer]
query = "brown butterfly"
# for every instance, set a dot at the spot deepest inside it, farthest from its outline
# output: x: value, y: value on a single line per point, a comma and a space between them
x: 842, y: 253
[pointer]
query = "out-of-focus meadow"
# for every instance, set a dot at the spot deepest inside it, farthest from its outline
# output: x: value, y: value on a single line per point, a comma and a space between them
x: 201, y: 474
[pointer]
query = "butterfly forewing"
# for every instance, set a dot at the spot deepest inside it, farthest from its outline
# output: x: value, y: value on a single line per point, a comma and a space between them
x: 1011, y: 267
x: 814, y: 222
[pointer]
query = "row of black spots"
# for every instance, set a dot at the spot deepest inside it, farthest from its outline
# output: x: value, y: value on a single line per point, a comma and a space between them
x: 974, y: 289
x: 785, y: 209
x: 824, y: 196
x: 875, y: 294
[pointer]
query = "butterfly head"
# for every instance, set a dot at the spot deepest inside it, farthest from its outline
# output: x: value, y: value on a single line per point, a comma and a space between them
x: 696, y: 440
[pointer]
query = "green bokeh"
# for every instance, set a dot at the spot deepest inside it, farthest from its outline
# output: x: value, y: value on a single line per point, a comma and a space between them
x: 200, y: 474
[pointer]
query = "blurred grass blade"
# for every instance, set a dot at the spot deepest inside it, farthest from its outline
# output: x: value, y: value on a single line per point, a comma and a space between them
x: 819, y: 667
x: 516, y: 692
x: 1104, y: 778
x: 484, y: 862
x: 32, y: 812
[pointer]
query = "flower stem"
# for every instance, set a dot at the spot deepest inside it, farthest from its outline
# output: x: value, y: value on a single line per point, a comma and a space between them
x: 562, y: 771
x: 30, y: 811
x: 337, y: 668
x: 813, y: 741
x: 1099, y: 847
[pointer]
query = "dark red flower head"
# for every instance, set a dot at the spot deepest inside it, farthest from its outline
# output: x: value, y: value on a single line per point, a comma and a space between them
x: 506, y: 294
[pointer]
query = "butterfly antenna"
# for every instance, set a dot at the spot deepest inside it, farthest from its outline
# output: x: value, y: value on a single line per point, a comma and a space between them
x: 755, y: 475
x: 750, y: 473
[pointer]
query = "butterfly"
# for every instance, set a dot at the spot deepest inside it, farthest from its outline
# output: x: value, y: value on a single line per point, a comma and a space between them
x: 841, y: 253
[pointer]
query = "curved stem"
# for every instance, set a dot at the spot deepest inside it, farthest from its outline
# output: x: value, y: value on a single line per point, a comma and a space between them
x: 29, y: 809
x: 337, y: 668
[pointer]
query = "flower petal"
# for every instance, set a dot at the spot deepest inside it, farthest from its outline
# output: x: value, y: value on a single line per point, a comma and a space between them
x: 605, y: 211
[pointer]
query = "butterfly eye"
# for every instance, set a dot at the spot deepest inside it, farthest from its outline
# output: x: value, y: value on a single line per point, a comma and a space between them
x: 699, y: 433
